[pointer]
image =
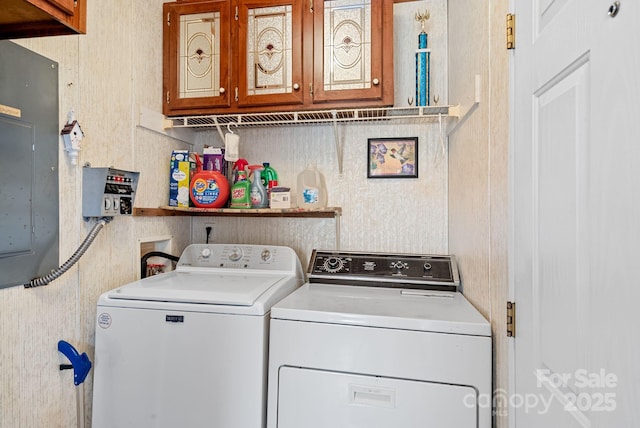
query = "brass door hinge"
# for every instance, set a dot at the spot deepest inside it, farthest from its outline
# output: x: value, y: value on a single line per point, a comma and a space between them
x: 168, y: 97
x: 511, y: 31
x: 168, y: 19
x: 511, y: 319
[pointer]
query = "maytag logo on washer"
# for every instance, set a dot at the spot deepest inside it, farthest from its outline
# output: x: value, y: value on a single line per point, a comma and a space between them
x: 104, y: 320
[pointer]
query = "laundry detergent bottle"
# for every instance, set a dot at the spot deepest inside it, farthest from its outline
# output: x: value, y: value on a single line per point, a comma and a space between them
x: 269, y: 176
x: 259, y: 197
x: 241, y: 192
x: 311, y: 192
x: 208, y: 189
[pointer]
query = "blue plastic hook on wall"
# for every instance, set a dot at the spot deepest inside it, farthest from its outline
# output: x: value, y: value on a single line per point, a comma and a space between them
x: 79, y: 362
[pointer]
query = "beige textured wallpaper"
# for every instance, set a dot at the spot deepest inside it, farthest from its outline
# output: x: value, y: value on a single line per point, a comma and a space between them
x: 107, y: 75
x: 478, y: 165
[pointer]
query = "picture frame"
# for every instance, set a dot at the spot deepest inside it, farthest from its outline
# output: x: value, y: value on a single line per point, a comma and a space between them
x: 392, y: 157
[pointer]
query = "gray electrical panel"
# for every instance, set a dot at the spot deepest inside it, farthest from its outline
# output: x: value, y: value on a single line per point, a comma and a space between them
x: 29, y: 144
x: 108, y: 192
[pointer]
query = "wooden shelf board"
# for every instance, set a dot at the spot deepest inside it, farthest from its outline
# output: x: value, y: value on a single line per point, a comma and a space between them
x: 330, y: 212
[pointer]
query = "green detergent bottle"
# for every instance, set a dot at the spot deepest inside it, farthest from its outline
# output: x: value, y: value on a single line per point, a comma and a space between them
x: 269, y: 176
x: 241, y: 192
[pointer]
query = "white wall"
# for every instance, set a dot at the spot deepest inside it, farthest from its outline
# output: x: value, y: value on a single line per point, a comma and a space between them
x: 105, y: 76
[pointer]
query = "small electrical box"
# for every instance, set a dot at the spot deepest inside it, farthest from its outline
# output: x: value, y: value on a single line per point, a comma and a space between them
x: 108, y: 192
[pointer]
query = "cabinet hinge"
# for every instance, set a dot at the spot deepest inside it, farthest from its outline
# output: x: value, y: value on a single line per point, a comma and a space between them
x: 511, y: 31
x: 511, y: 319
x: 310, y: 6
x: 168, y: 19
x: 75, y: 3
x: 236, y: 94
x: 311, y: 89
x: 168, y: 97
x: 237, y: 13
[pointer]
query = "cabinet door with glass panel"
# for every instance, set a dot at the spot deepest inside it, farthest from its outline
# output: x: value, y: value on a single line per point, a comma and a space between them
x: 197, y: 51
x: 269, y: 70
x: 353, y: 51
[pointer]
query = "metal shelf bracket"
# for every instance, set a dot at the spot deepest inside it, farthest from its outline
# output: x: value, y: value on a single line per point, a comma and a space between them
x: 455, y: 110
x: 339, y: 142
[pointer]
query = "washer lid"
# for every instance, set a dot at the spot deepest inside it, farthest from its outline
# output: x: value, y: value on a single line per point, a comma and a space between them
x: 219, y: 288
x: 421, y: 310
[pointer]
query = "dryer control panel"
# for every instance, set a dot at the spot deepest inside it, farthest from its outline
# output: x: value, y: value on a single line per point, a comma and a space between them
x: 384, y: 270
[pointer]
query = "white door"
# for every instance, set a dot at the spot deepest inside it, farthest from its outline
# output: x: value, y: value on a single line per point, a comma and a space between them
x: 575, y: 171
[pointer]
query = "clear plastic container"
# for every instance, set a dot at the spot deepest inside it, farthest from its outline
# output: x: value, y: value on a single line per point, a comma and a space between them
x: 311, y: 192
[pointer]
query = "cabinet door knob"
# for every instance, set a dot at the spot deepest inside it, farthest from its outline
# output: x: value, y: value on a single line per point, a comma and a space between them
x: 376, y: 82
x: 223, y: 90
x: 296, y: 86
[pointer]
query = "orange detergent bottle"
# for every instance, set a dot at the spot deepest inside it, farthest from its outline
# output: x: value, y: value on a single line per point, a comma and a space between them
x: 208, y: 189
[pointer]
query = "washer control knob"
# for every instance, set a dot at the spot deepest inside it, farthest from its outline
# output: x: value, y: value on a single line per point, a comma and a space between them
x: 205, y: 253
x: 333, y: 264
x: 235, y: 254
x: 265, y: 255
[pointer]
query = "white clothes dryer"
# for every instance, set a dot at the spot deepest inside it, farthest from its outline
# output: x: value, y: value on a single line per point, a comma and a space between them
x: 379, y: 340
x: 188, y: 348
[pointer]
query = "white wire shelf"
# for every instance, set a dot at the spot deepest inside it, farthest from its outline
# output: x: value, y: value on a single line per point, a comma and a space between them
x: 274, y: 119
x: 333, y: 117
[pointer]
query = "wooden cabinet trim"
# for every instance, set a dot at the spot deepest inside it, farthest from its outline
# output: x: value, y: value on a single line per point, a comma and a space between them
x: 36, y: 18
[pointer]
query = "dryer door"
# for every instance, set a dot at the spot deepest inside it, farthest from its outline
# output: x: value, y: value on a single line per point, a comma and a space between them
x: 318, y: 399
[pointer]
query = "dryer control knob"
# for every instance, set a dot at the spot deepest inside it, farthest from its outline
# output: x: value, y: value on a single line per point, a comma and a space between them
x: 333, y: 264
x: 206, y: 253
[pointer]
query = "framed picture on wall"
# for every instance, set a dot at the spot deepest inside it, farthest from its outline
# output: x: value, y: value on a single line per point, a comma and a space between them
x: 392, y: 157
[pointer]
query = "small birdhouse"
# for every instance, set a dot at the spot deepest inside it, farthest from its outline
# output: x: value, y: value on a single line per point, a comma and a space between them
x: 71, y: 136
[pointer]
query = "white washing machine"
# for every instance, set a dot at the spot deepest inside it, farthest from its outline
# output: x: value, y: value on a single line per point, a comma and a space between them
x: 379, y: 340
x: 188, y: 348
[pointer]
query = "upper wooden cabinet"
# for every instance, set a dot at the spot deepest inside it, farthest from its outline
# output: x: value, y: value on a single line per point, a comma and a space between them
x: 269, y: 45
x: 197, y: 56
x: 353, y: 51
x: 36, y: 18
x: 280, y: 55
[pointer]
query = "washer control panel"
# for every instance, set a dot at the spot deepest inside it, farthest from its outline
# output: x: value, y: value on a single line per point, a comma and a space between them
x: 387, y: 270
x: 237, y: 257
